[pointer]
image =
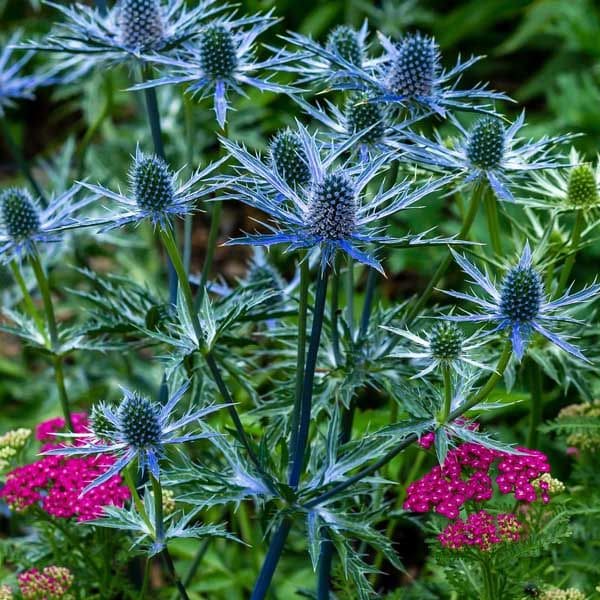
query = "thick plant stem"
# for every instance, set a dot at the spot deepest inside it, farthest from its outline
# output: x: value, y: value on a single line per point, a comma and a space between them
x: 476, y: 196
x: 368, y: 305
x: 493, y: 222
x: 478, y: 397
x: 447, y: 375
x: 334, y: 314
x: 299, y: 449
x: 129, y: 477
x: 44, y: 287
x: 173, y: 252
x: 301, y: 352
x: 536, y: 393
x: 28, y: 300
x: 350, y: 296
x: 17, y: 154
x: 159, y: 536
x: 211, y: 246
x: 261, y: 587
x: 101, y: 6
x: 570, y: 260
x: 324, y: 568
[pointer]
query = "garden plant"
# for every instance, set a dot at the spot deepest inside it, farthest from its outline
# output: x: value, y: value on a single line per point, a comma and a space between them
x: 294, y: 311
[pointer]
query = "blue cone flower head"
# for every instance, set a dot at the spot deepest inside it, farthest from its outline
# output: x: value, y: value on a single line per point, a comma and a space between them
x: 344, y: 50
x: 347, y: 43
x: 330, y: 213
x: 409, y: 74
x: 130, y: 30
x: 221, y: 58
x: 289, y: 158
x: 138, y: 429
x: 576, y: 188
x: 155, y: 193
x: 368, y: 123
x: 519, y: 304
x: 445, y: 344
x: 23, y: 223
x: 488, y: 152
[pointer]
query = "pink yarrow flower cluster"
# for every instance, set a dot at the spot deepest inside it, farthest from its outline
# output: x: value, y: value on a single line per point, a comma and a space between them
x: 481, y: 529
x: 466, y: 475
x: 52, y: 583
x: 56, y: 483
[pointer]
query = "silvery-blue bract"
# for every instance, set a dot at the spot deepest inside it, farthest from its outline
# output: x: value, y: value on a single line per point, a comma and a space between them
x: 519, y: 304
x: 129, y: 30
x: 138, y: 429
x: 488, y: 151
x: 155, y: 193
x: 23, y: 223
x: 331, y: 212
x: 222, y: 57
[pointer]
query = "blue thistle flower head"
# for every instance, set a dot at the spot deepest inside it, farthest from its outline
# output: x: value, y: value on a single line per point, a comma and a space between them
x: 152, y: 183
x: 346, y: 43
x: 289, y: 159
x: 332, y: 213
x: 414, y: 67
x: 24, y: 223
x: 521, y: 295
x: 486, y: 144
x: 582, y: 187
x: 139, y: 422
x: 140, y: 23
x: 223, y: 57
x: 365, y: 116
x: 446, y: 341
x: 20, y: 214
x: 217, y: 51
x: 520, y: 306
x: 332, y: 208
x: 139, y: 429
x: 132, y: 30
x: 489, y: 152
x: 155, y: 193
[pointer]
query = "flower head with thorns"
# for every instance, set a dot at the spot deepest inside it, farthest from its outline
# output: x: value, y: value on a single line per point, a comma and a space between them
x: 489, y: 152
x: 138, y: 429
x: 24, y: 223
x: 222, y: 57
x: 519, y: 305
x: 331, y: 211
x: 155, y: 193
x: 128, y: 31
x: 444, y: 345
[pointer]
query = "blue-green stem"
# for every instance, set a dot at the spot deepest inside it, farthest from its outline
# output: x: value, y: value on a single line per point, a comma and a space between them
x: 160, y: 537
x: 447, y: 377
x: 493, y: 222
x: 211, y: 246
x: 478, y: 397
x: 44, y: 287
x: 536, y: 394
x: 416, y: 308
x: 299, y: 450
x: 368, y: 305
x: 17, y: 154
x: 350, y: 296
x: 324, y: 567
x: 170, y: 245
x: 261, y: 587
x: 28, y: 300
x: 101, y: 6
x: 301, y: 348
x: 335, y: 333
x: 189, y: 146
x: 570, y: 260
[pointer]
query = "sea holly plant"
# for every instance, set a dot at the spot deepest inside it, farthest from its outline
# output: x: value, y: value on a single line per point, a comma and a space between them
x: 291, y: 393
